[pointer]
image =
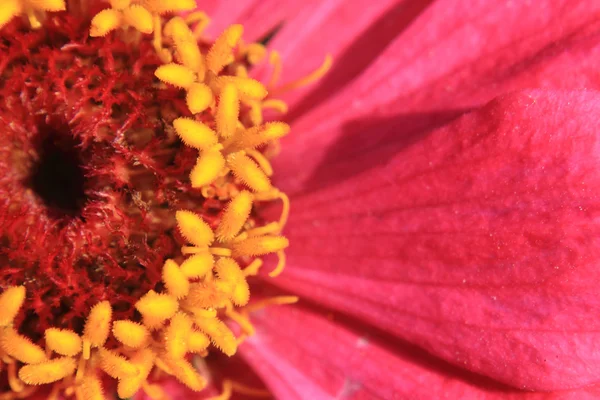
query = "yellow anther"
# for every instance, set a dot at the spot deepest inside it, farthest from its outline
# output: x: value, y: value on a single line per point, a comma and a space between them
x: 248, y: 88
x: 138, y: 17
x: 201, y: 19
x: 306, y: 80
x: 228, y: 111
x: 199, y: 98
x: 220, y: 335
x: 277, y: 300
x: 63, y: 341
x: 178, y: 30
x: 204, y: 295
x: 105, y: 21
x: 12, y: 8
x: 235, y: 216
x: 11, y: 301
x: 261, y: 160
x: 115, y: 365
x: 168, y: 6
x: 275, y: 61
x: 120, y: 4
x: 195, y: 134
x: 248, y: 172
x: 130, y: 333
x: 255, y: 115
x: 157, y: 306
x: 97, y: 327
x: 194, y: 229
x: 186, y: 373
x: 255, y: 52
x: 197, y: 342
x: 280, y: 264
x: 189, y: 55
x: 232, y: 281
x: 221, y: 52
x: 91, y: 388
x: 175, y: 280
x: 275, y: 104
x: 143, y: 360
x: 48, y: 371
x: 259, y: 245
x: 253, y: 267
x: 208, y: 167
x: 176, y: 75
x: 176, y: 335
x: 258, y: 136
x: 198, y: 265
x: 20, y: 348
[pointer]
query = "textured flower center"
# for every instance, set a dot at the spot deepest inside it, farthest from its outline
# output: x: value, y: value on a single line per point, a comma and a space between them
x: 135, y: 162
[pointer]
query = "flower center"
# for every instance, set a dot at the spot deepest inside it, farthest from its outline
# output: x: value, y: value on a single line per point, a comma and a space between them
x: 57, y: 175
x: 165, y: 159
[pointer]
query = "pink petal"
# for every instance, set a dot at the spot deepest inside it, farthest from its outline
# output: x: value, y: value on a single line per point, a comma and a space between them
x: 302, y: 354
x: 454, y: 56
x: 477, y: 241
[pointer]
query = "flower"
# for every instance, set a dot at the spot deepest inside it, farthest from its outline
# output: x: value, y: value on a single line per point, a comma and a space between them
x: 442, y: 238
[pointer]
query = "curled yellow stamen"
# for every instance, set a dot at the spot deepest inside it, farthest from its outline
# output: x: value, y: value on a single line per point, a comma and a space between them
x: 307, y: 80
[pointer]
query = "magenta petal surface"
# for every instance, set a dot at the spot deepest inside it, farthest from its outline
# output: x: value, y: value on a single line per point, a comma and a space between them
x: 477, y: 241
x: 306, y: 354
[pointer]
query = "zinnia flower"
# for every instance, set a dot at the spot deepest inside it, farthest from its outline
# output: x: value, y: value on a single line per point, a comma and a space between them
x: 442, y: 176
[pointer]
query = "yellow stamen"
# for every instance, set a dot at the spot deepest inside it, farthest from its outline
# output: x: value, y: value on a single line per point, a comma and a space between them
x: 258, y: 136
x: 277, y: 300
x: 157, y: 306
x: 204, y: 295
x: 143, y: 360
x: 13, y: 381
x: 97, y: 327
x: 253, y: 267
x: 194, y: 229
x: 307, y: 80
x: 198, y: 265
x: 275, y: 61
x: 270, y: 228
x: 186, y: 374
x: 255, y: 52
x: 275, y: 104
x: 138, y: 17
x: 280, y: 264
x: 248, y: 172
x: 207, y: 168
x: 176, y: 335
x: 63, y: 342
x: 189, y: 55
x: 241, y: 320
x: 115, y: 365
x: 197, y: 342
x: 91, y: 388
x: 235, y: 216
x: 228, y: 111
x: 233, y: 281
x: 261, y: 160
x: 175, y: 280
x: 20, y: 348
x: 199, y: 98
x: 176, y: 75
x: 230, y: 386
x: 130, y: 333
x: 220, y: 251
x: 202, y: 21
x: 105, y: 21
x: 11, y: 301
x: 259, y: 245
x: 195, y: 134
x: 248, y: 88
x: 169, y: 6
x: 219, y: 333
x: 220, y: 54
x: 178, y: 30
x: 47, y: 371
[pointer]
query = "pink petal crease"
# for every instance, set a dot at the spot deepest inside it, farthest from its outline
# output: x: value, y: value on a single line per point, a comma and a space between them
x: 478, y: 242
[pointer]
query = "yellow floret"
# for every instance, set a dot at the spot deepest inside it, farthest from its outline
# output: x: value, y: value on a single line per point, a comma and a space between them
x: 195, y: 134
x: 244, y: 168
x: 198, y: 265
x: 175, y: 280
x: 115, y: 365
x: 199, y: 98
x: 138, y: 17
x: 63, y: 341
x: 259, y: 245
x: 20, y: 348
x: 235, y: 216
x: 208, y: 167
x: 105, y: 21
x: 97, y: 327
x: 130, y: 333
x: 176, y: 75
x: 11, y: 301
x: 157, y: 307
x: 48, y: 371
x: 194, y: 229
x: 221, y: 52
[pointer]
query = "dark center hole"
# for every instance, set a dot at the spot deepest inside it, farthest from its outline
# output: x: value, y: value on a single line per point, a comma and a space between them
x: 58, y: 176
